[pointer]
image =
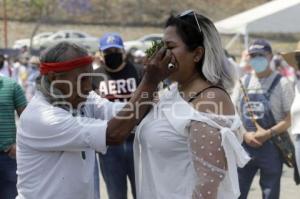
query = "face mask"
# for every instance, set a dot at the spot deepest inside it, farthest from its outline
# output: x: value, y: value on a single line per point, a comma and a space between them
x: 113, y: 60
x: 259, y: 64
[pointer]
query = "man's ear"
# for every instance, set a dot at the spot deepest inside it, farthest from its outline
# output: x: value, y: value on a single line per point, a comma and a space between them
x: 199, y: 53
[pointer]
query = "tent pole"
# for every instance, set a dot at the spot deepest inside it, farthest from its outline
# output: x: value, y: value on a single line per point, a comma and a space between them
x: 231, y: 42
x: 246, y: 40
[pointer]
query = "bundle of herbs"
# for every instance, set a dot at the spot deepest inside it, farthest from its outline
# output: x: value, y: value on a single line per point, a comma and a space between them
x: 156, y: 45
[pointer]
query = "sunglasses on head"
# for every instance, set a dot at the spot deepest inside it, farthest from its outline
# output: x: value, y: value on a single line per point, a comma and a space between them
x: 190, y: 13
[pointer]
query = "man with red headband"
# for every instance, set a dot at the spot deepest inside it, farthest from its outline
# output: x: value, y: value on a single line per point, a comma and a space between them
x: 65, y: 123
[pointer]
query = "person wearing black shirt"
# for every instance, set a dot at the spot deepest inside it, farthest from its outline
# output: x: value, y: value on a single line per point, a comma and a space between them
x: 116, y: 80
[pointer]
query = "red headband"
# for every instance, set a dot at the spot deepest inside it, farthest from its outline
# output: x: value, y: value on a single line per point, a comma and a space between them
x: 65, y: 66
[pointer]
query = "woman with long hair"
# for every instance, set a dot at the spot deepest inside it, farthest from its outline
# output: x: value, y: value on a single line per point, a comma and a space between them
x: 186, y: 146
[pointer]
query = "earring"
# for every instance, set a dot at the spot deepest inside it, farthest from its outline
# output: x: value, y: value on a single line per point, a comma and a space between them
x: 196, y: 59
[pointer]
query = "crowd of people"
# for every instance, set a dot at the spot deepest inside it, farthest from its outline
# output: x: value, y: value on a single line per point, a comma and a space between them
x: 211, y: 128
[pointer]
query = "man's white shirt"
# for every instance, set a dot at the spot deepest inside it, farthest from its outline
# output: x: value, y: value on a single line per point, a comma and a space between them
x: 56, y: 150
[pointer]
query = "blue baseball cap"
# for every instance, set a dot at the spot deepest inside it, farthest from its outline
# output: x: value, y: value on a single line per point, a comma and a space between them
x: 260, y: 46
x: 110, y: 40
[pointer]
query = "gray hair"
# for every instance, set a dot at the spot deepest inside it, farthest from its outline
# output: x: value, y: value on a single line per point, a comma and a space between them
x: 61, y: 52
x: 216, y: 67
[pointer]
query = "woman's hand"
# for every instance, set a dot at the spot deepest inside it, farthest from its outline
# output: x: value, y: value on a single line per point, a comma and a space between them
x: 156, y: 67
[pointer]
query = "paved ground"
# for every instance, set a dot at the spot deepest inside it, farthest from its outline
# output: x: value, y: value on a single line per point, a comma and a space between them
x: 288, y: 188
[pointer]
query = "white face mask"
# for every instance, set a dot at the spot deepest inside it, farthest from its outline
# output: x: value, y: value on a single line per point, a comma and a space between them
x: 259, y: 63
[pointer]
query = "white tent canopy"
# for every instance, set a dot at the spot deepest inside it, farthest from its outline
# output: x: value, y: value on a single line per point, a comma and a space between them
x: 278, y: 16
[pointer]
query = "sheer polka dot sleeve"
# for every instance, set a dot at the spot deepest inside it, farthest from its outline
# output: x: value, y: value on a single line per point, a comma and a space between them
x: 208, y: 158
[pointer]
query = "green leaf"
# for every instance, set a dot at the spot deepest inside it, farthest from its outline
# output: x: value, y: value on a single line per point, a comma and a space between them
x: 156, y: 45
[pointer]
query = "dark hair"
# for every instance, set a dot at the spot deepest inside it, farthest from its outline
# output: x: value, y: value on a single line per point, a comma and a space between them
x: 187, y: 29
x: 62, y: 51
x: 2, y: 59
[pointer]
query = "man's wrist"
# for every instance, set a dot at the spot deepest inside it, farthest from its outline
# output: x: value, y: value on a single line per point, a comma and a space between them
x: 149, y: 86
x: 271, y: 133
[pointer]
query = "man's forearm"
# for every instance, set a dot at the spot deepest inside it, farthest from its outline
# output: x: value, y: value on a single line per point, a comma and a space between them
x: 283, y: 125
x: 121, y: 125
x: 279, y: 128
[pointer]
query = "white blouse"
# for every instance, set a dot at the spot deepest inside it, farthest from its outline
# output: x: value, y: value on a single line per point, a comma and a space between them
x: 175, y: 158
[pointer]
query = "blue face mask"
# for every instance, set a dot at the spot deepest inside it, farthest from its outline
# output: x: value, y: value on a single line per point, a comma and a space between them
x: 259, y: 64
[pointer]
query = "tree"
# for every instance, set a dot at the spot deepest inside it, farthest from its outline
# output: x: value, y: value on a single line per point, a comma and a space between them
x: 42, y: 9
x: 76, y: 7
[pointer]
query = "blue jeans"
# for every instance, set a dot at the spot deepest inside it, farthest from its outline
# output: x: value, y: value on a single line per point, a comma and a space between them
x: 116, y: 165
x: 268, y: 160
x: 8, y: 177
x: 96, y: 181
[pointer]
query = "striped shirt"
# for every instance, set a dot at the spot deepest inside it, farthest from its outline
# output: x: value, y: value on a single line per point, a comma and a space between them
x: 11, y: 98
